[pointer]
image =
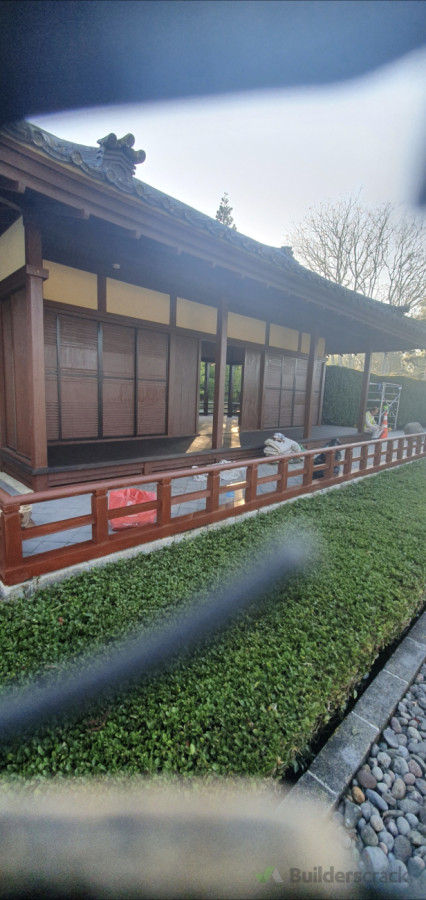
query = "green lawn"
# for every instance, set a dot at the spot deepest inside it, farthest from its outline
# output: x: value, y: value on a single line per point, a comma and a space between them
x: 251, y: 702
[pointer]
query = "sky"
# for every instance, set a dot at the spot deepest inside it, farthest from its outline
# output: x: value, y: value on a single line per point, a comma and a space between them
x: 277, y: 153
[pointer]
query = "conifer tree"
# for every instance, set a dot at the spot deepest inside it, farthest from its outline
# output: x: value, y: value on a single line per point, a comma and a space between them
x: 223, y: 214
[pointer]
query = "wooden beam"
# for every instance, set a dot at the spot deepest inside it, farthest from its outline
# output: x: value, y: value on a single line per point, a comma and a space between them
x: 220, y: 371
x: 309, y: 397
x: 35, y: 345
x: 364, y: 392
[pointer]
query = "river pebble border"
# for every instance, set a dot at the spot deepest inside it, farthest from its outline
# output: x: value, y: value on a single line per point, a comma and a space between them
x: 371, y: 775
x: 384, y: 810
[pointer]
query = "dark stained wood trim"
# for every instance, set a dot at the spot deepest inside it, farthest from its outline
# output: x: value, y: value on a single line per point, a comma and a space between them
x: 58, y: 370
x: 102, y: 294
x: 173, y: 309
x: 220, y: 372
x: 309, y: 393
x: 262, y: 388
x: 364, y: 392
x: 2, y: 389
x: 35, y: 345
x: 17, y: 280
x: 100, y: 382
x: 322, y: 389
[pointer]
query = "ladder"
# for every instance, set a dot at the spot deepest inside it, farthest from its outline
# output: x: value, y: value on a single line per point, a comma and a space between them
x: 385, y: 395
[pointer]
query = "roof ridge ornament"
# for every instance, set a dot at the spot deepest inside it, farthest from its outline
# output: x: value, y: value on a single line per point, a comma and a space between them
x: 117, y: 159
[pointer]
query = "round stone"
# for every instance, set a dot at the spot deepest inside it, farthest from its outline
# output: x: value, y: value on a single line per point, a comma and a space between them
x: 402, y: 740
x: 399, y: 789
x: 377, y: 773
x: 383, y: 847
x: 369, y: 836
x: 402, y: 825
x: 412, y: 819
x: 377, y: 800
x: 398, y: 874
x: 366, y: 778
x: 367, y: 810
x: 376, y: 823
x: 383, y: 759
x: 391, y: 828
x: 375, y: 860
x: 407, y: 806
x: 358, y: 794
x: 402, y: 848
x: 390, y: 738
x: 413, y: 733
x: 421, y: 786
x: 382, y: 787
x: 414, y: 768
x: 362, y: 823
x: 400, y: 766
x: 352, y: 814
x: 409, y: 778
x: 386, y: 838
x: 415, y: 838
x: 395, y: 725
x: 415, y: 866
x: 374, y: 751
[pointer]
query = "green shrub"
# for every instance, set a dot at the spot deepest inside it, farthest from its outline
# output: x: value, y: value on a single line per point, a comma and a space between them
x: 342, y: 397
x: 250, y: 702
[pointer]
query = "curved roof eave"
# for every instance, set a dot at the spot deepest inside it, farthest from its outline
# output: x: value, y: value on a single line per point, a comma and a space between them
x: 116, y: 172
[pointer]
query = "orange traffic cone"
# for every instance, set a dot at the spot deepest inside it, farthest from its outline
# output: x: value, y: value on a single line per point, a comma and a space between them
x: 384, y: 433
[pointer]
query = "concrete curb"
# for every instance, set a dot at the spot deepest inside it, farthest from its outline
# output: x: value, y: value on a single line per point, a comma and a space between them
x: 336, y: 764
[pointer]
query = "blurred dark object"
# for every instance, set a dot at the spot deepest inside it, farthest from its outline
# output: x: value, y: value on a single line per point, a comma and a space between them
x: 321, y: 459
x: 80, y: 53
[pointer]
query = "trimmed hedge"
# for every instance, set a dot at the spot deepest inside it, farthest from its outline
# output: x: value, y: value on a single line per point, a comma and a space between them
x: 342, y: 396
x: 249, y: 703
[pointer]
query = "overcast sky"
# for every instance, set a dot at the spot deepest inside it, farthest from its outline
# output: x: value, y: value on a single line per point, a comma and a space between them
x: 277, y: 153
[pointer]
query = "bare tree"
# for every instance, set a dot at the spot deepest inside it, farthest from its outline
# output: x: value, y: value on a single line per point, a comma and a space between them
x: 367, y: 250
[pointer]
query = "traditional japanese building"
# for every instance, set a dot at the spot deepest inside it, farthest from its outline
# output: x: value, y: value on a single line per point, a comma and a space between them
x: 116, y: 299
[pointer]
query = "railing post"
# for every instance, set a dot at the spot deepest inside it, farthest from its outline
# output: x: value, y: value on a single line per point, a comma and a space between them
x: 282, y: 475
x: 308, y: 469
x: 100, y: 513
x: 389, y: 451
x: 164, y: 497
x: 363, y: 457
x: 12, y: 536
x: 347, y: 465
x: 213, y: 484
x: 400, y: 449
x: 377, y: 459
x: 251, y: 479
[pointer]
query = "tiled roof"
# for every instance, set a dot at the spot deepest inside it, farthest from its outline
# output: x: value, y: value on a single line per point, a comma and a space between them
x: 113, y: 163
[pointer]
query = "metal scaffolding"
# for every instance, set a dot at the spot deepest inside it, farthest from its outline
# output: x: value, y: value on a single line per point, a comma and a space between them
x: 385, y: 395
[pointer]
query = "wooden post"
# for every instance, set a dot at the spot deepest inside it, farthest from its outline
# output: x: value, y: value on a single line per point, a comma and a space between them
x: 219, y: 380
x: 364, y: 392
x: 309, y: 396
x: 164, y: 497
x: 251, y: 479
x: 12, y: 536
x: 230, y: 389
x: 206, y: 388
x: 35, y: 346
x: 100, y: 513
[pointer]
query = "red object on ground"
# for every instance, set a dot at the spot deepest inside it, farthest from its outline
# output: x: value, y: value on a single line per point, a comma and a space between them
x: 128, y: 497
x: 384, y: 433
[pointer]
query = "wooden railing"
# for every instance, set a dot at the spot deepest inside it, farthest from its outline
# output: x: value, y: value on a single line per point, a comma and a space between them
x: 293, y: 476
